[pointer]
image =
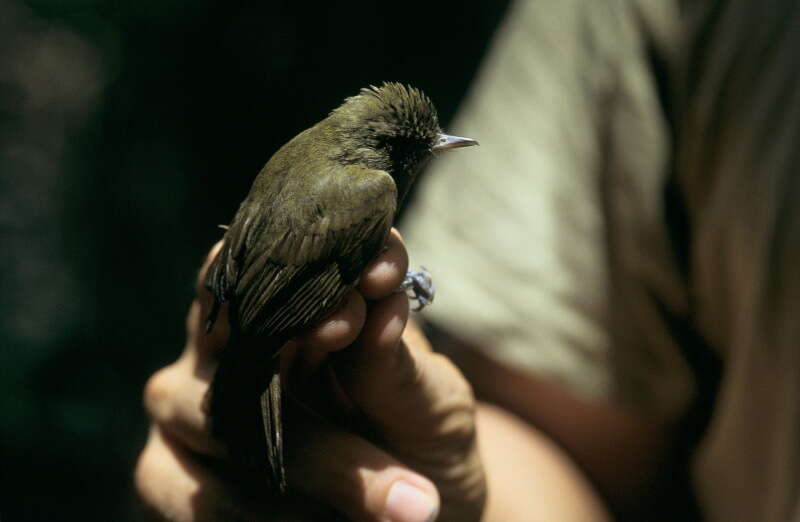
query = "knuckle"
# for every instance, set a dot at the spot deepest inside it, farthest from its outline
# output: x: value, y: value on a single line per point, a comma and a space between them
x: 458, y: 402
x: 408, y: 371
x: 145, y: 472
x: 460, y: 386
x: 213, y: 253
x: 458, y: 428
x: 141, y: 473
x: 158, y: 391
x: 200, y: 282
x: 193, y: 319
x: 200, y: 285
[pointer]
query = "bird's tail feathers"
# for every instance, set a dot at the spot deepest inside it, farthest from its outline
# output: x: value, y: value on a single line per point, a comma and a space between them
x: 273, y: 430
x: 245, y: 410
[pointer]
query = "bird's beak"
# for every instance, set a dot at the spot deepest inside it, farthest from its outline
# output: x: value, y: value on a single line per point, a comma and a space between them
x: 447, y: 142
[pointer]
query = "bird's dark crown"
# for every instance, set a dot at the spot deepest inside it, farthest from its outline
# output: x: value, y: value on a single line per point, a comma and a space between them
x: 392, y: 127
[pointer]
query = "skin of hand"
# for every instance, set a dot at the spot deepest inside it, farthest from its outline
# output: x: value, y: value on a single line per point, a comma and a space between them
x: 416, y: 403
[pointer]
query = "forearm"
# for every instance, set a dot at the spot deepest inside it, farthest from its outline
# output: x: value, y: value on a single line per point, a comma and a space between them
x: 619, y: 453
x: 530, y: 477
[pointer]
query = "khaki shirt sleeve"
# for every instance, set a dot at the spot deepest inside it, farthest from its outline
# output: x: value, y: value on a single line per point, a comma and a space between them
x: 515, y: 232
x: 737, y: 166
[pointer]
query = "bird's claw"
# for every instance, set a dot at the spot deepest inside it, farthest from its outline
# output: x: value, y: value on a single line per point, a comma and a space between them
x: 418, y: 285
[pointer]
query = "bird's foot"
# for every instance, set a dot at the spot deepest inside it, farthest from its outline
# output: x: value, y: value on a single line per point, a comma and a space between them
x: 418, y: 285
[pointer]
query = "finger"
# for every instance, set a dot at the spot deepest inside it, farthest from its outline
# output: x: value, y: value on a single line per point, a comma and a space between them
x: 339, y: 329
x: 414, y: 337
x: 373, y: 360
x: 354, y: 476
x: 174, y: 485
x: 419, y: 404
x: 174, y: 397
x: 337, y: 468
x: 207, y: 343
x: 200, y: 287
x: 383, y: 328
x: 405, y: 389
x: 385, y: 273
x: 386, y: 322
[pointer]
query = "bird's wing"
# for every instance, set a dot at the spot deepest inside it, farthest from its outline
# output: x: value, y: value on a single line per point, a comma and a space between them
x: 288, y: 262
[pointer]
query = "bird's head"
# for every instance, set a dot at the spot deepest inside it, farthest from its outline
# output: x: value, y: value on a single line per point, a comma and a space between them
x: 394, y: 128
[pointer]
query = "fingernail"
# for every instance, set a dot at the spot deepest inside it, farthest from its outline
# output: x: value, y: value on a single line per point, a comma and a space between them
x: 406, y: 503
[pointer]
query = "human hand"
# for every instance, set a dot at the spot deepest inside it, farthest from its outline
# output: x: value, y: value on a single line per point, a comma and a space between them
x: 416, y: 403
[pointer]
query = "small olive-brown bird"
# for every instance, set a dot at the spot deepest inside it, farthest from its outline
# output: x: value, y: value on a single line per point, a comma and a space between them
x: 317, y: 214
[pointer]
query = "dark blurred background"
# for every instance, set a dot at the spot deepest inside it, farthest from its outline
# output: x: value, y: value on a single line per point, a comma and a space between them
x: 128, y: 131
